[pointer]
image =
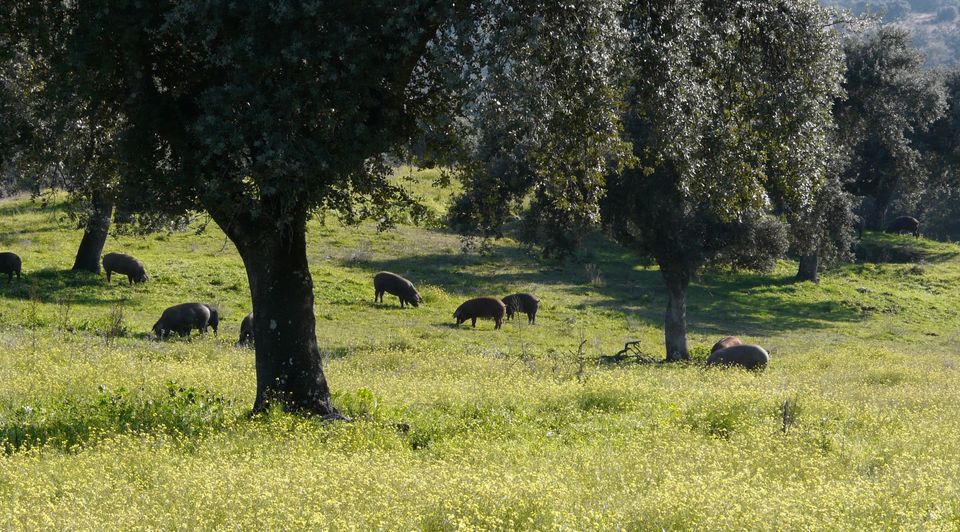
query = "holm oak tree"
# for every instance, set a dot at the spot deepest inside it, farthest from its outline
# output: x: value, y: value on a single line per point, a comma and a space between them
x: 265, y: 113
x: 726, y: 104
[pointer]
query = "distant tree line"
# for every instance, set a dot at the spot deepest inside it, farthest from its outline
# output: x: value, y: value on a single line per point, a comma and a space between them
x: 934, y: 24
x: 894, y: 10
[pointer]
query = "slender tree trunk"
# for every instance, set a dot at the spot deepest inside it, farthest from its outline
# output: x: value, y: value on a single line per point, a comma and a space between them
x: 881, y: 217
x: 878, y: 217
x: 808, y: 268
x: 675, y: 323
x: 288, y: 361
x: 94, y: 236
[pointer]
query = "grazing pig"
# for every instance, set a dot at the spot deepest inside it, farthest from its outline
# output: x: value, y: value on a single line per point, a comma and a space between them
x: 904, y: 224
x: 729, y: 341
x: 214, y: 318
x: 745, y: 356
x: 10, y: 264
x: 183, y: 318
x: 526, y: 303
x: 393, y: 284
x: 246, y: 330
x: 126, y: 265
x: 481, y: 307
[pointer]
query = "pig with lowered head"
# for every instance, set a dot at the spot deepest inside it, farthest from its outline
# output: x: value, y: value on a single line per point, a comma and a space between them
x: 526, y: 303
x: 904, y: 224
x: 393, y: 284
x: 724, y: 343
x: 246, y: 330
x: 125, y: 265
x: 744, y: 355
x: 185, y: 317
x: 10, y: 264
x: 481, y: 307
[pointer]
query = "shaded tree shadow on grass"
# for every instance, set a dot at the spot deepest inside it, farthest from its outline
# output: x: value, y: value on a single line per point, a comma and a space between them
x: 180, y: 411
x: 22, y: 204
x: 718, y: 302
x: 452, y: 273
x: 10, y: 241
x: 54, y: 286
x: 877, y: 247
x: 760, y: 305
x: 390, y: 303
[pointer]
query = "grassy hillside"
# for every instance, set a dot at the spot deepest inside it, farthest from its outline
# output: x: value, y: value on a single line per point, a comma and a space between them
x: 102, y: 427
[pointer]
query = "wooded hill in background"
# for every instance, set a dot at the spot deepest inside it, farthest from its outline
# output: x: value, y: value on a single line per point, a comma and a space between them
x: 935, y: 24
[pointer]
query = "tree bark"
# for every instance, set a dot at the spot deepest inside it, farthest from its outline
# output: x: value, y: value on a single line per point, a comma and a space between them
x: 675, y: 323
x: 808, y: 268
x: 878, y: 217
x: 94, y: 235
x: 288, y: 362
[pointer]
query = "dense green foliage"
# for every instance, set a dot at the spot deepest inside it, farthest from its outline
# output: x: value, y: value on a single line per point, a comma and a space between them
x: 940, y: 206
x: 891, y: 100
x: 477, y: 428
x: 264, y: 114
x: 727, y: 104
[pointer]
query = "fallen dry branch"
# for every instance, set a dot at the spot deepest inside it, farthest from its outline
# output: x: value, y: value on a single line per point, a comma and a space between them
x: 631, y: 352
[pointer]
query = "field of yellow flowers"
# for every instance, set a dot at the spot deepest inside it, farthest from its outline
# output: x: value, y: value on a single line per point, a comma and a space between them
x: 853, y: 426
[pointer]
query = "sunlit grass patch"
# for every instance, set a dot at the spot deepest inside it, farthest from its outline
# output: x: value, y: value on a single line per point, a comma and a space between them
x: 460, y: 428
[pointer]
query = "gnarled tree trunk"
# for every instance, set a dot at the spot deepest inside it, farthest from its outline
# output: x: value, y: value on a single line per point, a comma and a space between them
x: 94, y: 235
x: 808, y: 268
x: 288, y: 361
x: 675, y: 323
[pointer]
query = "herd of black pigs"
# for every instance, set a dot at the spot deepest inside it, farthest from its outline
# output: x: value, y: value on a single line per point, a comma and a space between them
x: 185, y: 317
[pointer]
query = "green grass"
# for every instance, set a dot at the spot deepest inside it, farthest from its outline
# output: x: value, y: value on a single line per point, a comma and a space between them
x: 883, y: 247
x: 476, y: 428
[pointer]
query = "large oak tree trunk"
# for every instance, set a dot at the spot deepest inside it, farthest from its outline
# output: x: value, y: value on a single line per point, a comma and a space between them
x: 675, y: 323
x: 288, y: 361
x: 94, y: 235
x: 808, y: 268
